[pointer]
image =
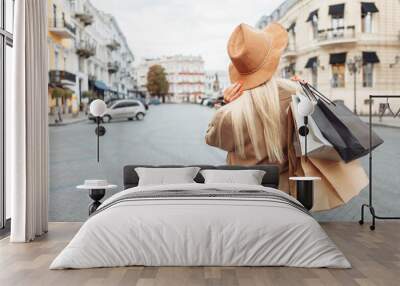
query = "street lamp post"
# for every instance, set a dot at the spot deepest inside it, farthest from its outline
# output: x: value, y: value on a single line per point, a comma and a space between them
x: 354, y: 66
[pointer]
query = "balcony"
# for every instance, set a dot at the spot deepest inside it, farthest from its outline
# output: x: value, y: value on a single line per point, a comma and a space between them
x: 85, y: 49
x: 85, y: 18
x: 113, y: 45
x: 113, y: 67
x: 62, y: 28
x: 61, y: 78
x: 340, y: 35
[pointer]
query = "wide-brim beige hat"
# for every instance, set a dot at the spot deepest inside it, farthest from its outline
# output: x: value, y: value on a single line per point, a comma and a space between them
x: 255, y: 53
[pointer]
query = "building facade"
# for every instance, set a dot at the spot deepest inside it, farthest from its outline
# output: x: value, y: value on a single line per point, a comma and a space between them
x: 348, y: 49
x: 87, y: 53
x: 215, y: 83
x: 185, y: 74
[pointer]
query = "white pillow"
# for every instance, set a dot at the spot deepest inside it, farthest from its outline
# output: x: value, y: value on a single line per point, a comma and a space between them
x: 247, y: 177
x: 166, y: 176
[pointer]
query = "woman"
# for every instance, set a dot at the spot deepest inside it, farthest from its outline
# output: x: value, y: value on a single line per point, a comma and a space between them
x: 252, y: 126
x: 256, y: 125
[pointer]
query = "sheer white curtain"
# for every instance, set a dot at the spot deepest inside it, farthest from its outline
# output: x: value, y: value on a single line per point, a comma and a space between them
x: 27, y: 126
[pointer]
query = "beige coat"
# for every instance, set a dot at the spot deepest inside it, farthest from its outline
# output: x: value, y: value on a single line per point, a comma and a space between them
x: 339, y: 181
x: 226, y: 143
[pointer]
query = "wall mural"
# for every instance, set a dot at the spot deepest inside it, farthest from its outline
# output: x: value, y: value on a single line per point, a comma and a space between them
x: 193, y: 96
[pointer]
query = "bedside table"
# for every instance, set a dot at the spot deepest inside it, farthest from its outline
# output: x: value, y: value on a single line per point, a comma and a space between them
x: 97, y: 190
x: 305, y: 190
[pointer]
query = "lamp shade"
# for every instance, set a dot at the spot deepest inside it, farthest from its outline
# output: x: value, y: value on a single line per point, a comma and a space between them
x: 98, y: 108
x: 305, y: 107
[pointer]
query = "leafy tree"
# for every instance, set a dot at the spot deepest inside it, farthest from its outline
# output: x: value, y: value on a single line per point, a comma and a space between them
x: 68, y: 94
x: 157, y: 83
x: 57, y: 92
x: 90, y: 95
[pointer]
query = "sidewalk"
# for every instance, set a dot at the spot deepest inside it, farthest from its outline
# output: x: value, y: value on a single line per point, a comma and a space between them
x: 67, y: 119
x: 387, y: 121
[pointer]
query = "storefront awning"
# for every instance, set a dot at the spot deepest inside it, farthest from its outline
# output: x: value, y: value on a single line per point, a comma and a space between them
x: 368, y: 7
x: 311, y: 16
x: 370, y: 57
x: 311, y: 62
x: 336, y: 11
x: 339, y: 58
x: 98, y: 84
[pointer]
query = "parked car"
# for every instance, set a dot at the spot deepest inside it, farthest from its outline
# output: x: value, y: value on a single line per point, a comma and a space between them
x: 123, y: 109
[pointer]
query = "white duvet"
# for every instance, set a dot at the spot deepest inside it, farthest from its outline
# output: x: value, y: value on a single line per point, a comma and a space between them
x: 200, y: 231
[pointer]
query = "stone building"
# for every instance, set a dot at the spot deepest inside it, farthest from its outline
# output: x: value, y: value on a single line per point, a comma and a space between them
x: 87, y: 52
x: 185, y: 74
x: 348, y: 49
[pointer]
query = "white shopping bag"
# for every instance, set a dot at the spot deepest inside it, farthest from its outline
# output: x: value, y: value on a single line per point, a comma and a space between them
x: 317, y: 145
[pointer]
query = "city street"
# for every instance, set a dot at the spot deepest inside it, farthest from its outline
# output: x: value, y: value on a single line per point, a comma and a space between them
x: 169, y: 134
x: 174, y: 134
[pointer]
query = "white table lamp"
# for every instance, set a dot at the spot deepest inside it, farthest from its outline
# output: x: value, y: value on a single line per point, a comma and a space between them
x: 98, y: 107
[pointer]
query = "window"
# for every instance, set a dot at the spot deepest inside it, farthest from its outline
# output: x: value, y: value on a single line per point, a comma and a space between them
x: 314, y: 24
x: 6, y: 44
x: 313, y: 64
x: 337, y: 27
x: 54, y: 15
x: 289, y: 71
x: 313, y: 19
x: 56, y: 63
x: 292, y: 36
x: 314, y: 76
x: 369, y: 59
x: 337, y: 19
x: 120, y: 105
x: 368, y: 75
x: 367, y: 11
x: 338, y: 71
x: 81, y: 64
x: 130, y: 104
x: 366, y: 23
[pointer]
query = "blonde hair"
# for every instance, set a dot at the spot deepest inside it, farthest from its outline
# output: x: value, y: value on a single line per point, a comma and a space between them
x: 262, y: 102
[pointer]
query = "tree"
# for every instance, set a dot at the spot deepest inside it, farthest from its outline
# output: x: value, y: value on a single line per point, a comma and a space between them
x: 157, y: 83
x: 90, y: 95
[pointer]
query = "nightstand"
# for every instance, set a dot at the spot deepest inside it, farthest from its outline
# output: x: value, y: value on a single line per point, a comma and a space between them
x: 97, y: 190
x: 305, y: 190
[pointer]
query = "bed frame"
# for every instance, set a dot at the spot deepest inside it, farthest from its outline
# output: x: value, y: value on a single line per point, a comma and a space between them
x: 270, y: 179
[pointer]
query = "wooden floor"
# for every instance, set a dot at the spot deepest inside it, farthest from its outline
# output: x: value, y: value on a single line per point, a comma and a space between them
x: 375, y: 257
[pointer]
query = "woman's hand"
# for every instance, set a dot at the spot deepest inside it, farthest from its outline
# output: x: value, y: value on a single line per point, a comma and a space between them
x: 233, y: 92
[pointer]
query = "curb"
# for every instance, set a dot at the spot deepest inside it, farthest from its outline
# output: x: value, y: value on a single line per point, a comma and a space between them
x: 68, y: 123
x: 381, y: 124
x: 384, y: 125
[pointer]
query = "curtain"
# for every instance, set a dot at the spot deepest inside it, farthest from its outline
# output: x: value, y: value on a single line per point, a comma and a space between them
x: 27, y: 123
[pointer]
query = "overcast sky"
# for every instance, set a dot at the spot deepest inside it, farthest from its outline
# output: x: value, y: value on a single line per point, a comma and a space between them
x: 190, y: 27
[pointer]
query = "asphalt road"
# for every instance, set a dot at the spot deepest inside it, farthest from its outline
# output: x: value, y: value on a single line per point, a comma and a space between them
x: 174, y: 134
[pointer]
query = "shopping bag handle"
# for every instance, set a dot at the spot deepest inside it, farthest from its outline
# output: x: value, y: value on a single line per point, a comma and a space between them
x: 319, y: 94
x: 311, y: 92
x: 303, y: 83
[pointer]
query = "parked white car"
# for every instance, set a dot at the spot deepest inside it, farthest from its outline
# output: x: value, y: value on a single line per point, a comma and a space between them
x: 124, y: 109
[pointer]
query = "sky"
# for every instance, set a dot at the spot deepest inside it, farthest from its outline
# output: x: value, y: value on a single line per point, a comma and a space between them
x: 190, y: 27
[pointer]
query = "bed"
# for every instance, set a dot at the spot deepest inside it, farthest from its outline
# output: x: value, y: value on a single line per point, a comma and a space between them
x: 199, y: 224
